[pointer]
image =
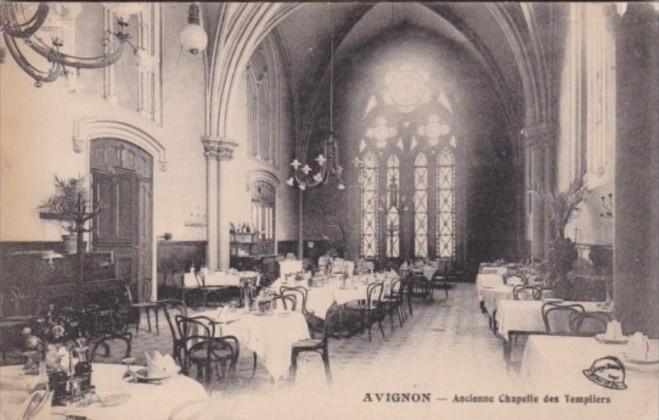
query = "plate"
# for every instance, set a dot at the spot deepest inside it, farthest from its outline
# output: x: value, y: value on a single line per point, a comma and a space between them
x: 602, y: 338
x: 636, y: 361
x: 142, y: 375
x: 641, y: 365
x: 557, y: 300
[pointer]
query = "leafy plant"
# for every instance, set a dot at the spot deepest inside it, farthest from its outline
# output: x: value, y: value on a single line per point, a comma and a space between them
x: 67, y: 202
x: 564, y: 205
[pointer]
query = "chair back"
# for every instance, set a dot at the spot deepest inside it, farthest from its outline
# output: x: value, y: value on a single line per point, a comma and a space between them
x: 374, y: 294
x: 522, y: 292
x: 395, y: 288
x: 196, y: 326
x: 589, y: 323
x: 285, y: 300
x: 556, y: 316
x: 299, y: 292
x: 107, y: 342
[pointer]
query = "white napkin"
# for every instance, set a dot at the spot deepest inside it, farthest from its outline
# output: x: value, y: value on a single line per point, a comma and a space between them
x: 158, y: 365
x: 613, y: 330
x: 639, y: 346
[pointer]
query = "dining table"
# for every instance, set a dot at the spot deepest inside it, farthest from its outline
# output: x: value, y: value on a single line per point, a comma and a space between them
x: 116, y: 396
x: 321, y: 295
x: 269, y: 334
x: 554, y: 365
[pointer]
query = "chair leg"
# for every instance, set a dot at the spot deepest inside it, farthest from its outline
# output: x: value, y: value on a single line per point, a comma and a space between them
x: 391, y: 316
x: 326, y: 363
x: 157, y: 327
x: 400, y: 315
x: 139, y: 320
x: 409, y: 304
x: 148, y: 318
x: 254, y: 366
x: 293, y: 370
x: 381, y: 329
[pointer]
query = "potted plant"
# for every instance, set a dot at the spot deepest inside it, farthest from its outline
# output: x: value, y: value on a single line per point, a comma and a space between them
x: 70, y: 205
x: 562, y: 251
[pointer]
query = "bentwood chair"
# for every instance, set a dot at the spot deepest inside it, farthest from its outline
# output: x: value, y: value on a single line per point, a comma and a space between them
x: 171, y: 308
x: 393, y: 301
x: 138, y: 307
x: 104, y: 342
x: 370, y: 310
x: 301, y: 294
x: 589, y: 323
x: 206, y: 351
x: 520, y: 292
x: 318, y: 345
x: 556, y: 316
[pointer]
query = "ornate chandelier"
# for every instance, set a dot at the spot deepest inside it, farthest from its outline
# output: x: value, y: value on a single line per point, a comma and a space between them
x: 327, y: 162
x: 28, y: 24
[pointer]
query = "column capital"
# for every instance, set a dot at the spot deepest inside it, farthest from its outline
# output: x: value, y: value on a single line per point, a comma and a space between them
x: 539, y: 134
x: 217, y: 148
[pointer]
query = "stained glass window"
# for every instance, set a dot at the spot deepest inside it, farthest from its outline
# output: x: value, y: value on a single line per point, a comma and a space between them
x: 393, y: 216
x: 421, y: 206
x: 445, y: 203
x: 368, y: 205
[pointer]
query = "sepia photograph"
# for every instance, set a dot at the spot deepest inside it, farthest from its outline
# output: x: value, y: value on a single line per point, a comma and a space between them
x: 329, y: 210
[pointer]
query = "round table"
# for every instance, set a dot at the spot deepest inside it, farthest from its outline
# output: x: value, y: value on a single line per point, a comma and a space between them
x: 143, y: 400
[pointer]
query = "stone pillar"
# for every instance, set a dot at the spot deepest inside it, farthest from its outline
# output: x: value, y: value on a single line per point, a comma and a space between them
x: 636, y: 194
x: 539, y: 179
x: 217, y: 251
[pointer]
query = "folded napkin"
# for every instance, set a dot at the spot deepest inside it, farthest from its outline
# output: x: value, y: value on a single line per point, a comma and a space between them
x: 613, y: 330
x: 639, y: 347
x: 158, y: 365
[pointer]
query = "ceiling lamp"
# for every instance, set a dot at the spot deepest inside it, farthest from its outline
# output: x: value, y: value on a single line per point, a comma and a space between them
x: 327, y: 162
x: 27, y: 24
x: 193, y: 35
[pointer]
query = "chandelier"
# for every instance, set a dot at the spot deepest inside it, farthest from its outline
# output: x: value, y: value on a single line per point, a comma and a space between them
x: 327, y: 162
x: 28, y: 24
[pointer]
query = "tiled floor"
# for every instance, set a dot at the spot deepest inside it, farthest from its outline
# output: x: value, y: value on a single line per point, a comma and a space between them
x: 445, y: 349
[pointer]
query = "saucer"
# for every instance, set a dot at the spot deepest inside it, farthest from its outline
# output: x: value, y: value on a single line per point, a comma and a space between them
x: 142, y: 375
x: 602, y: 338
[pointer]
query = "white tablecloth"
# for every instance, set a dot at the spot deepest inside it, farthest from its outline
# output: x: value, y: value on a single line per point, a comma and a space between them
x: 487, y: 280
x: 270, y: 336
x: 495, y: 294
x: 526, y: 315
x: 148, y: 401
x: 320, y: 298
x: 290, y: 266
x: 554, y: 364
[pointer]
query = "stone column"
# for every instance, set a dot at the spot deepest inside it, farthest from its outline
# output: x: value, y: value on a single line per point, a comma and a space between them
x: 539, y: 178
x: 217, y: 151
x: 636, y: 196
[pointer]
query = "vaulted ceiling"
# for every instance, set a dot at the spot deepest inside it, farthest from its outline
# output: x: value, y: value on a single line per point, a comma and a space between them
x: 494, y: 35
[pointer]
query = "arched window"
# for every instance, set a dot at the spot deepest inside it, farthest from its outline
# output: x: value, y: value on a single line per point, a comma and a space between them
x: 393, y: 217
x: 421, y: 206
x: 368, y: 206
x: 445, y: 203
x: 408, y: 140
x: 264, y: 92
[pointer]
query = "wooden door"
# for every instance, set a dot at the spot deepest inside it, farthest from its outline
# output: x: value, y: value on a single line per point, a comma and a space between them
x: 122, y: 183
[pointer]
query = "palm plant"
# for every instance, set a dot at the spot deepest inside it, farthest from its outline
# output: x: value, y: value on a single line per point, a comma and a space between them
x: 70, y: 205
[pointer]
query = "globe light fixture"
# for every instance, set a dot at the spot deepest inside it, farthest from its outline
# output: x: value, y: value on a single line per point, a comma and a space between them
x: 193, y: 36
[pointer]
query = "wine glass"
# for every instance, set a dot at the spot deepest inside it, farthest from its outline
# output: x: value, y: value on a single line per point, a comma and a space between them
x: 128, y: 361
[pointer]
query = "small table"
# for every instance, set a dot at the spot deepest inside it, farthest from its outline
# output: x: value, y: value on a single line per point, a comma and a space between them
x: 524, y: 317
x: 269, y: 335
x: 145, y: 400
x: 554, y: 365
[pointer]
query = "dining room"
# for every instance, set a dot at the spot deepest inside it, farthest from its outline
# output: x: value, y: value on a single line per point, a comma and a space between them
x: 329, y: 209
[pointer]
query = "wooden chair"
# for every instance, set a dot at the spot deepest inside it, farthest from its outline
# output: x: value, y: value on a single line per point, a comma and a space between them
x: 439, y: 281
x: 171, y: 308
x: 523, y: 290
x: 202, y: 348
x: 318, y: 345
x: 138, y: 307
x: 589, y: 323
x: 104, y: 342
x: 370, y: 310
x: 556, y: 316
x: 393, y: 301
